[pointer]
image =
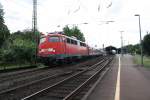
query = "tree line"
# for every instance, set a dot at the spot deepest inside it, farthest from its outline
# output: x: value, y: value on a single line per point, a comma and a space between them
x: 75, y: 31
x: 20, y: 46
x: 136, y: 49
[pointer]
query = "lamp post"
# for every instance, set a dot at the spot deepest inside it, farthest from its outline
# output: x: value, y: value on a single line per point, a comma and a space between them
x: 140, y: 39
x: 121, y: 42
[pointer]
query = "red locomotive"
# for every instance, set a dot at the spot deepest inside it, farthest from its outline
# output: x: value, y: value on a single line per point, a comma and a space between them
x: 58, y: 46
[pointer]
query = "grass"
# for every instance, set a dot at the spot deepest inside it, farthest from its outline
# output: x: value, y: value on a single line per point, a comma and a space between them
x: 146, y: 60
x: 14, y: 66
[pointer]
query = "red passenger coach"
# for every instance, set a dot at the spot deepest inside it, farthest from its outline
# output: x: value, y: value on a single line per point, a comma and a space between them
x: 57, y: 46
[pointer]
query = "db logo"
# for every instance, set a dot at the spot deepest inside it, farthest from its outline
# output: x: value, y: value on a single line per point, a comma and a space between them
x: 51, y: 50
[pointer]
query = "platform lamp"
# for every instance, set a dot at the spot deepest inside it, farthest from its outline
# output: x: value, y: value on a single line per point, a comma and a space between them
x: 140, y: 39
x: 121, y: 42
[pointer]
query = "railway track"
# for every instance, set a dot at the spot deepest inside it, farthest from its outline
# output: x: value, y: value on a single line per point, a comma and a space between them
x: 70, y: 87
x: 16, y: 74
x: 20, y: 91
x: 14, y: 79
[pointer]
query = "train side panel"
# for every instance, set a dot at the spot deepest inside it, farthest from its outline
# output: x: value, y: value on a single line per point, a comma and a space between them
x: 76, y: 50
x: 58, y: 46
x: 53, y: 47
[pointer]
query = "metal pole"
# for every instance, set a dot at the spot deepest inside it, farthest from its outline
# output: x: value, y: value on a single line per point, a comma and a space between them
x: 140, y: 39
x: 103, y: 47
x: 34, y: 27
x: 34, y: 19
x: 121, y: 43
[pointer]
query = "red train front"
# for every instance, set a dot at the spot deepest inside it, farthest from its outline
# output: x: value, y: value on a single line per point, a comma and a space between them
x: 58, y: 46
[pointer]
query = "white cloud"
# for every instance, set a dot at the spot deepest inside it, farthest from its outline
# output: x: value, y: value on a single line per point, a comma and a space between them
x: 18, y: 16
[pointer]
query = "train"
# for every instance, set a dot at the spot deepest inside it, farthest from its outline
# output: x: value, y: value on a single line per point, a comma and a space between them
x: 57, y: 47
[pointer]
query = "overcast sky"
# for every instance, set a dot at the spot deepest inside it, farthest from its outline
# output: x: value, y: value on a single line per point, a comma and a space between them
x: 51, y: 13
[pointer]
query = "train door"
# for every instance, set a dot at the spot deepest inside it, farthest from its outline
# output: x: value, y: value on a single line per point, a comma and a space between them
x: 88, y: 50
x: 63, y: 45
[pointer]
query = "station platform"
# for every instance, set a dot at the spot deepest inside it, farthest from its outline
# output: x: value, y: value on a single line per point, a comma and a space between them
x: 124, y: 81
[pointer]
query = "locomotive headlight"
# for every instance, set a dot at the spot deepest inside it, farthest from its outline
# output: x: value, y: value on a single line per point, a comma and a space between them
x: 41, y: 50
x: 51, y: 50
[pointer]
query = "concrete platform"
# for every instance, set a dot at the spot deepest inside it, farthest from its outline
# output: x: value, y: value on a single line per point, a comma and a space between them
x: 134, y: 83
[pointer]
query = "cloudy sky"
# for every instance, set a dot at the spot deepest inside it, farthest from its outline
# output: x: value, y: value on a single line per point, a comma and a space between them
x: 51, y: 13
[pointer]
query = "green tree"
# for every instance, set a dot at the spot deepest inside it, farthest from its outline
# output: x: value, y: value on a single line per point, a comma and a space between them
x: 20, y: 51
x: 1, y: 14
x: 137, y: 48
x: 20, y: 47
x: 75, y: 31
x: 67, y: 31
x: 146, y: 44
x: 130, y: 48
x: 4, y: 32
x: 27, y: 34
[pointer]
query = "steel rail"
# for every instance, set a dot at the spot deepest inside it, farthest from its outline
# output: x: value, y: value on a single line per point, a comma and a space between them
x: 18, y: 88
x: 79, y: 88
x: 18, y: 76
x: 12, y: 81
x: 61, y: 82
x: 30, y: 83
x: 96, y: 83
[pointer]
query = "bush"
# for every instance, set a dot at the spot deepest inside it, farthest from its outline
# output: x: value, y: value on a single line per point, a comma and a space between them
x: 146, y: 43
x: 18, y: 49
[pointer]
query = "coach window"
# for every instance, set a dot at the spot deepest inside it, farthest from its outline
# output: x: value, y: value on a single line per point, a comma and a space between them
x: 75, y: 42
x: 63, y: 39
x: 72, y: 41
x: 43, y: 39
x: 84, y: 45
x: 68, y: 40
x: 81, y: 44
x: 54, y: 39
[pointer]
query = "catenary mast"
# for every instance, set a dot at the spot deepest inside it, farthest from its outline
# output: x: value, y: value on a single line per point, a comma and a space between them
x: 34, y: 26
x: 34, y: 17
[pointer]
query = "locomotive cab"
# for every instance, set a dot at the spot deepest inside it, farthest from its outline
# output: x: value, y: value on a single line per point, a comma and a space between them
x: 52, y: 46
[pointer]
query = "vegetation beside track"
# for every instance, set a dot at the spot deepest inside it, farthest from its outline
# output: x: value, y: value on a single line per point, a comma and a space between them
x: 18, y: 49
x: 9, y: 67
x: 146, y: 60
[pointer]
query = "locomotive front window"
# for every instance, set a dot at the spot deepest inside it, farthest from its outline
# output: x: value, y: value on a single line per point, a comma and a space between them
x: 54, y: 39
x: 42, y: 40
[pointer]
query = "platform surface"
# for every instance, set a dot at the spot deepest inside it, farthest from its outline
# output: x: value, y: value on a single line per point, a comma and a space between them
x: 134, y: 82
